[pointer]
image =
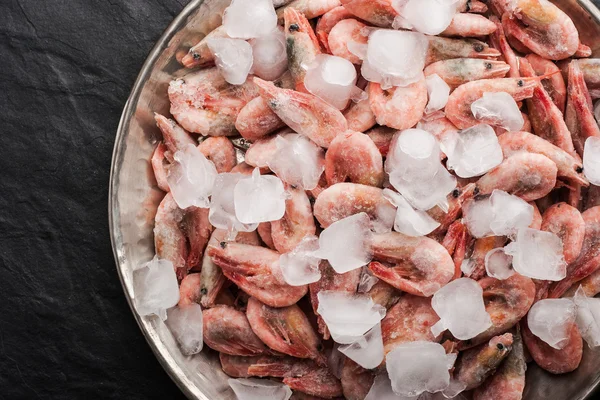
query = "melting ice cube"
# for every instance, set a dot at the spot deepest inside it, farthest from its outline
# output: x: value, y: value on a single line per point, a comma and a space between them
x: 367, y: 281
x: 298, y: 161
x: 551, y: 320
x: 438, y: 91
x: 300, y: 267
x: 259, y: 389
x: 233, y: 58
x: 259, y: 198
x: 510, y: 213
x: 460, y: 307
x: 418, y: 367
x: 409, y: 221
x: 478, y: 216
x: 366, y: 351
x: 591, y: 159
x: 185, y: 324
x: 431, y: 17
x: 247, y: 19
x: 473, y: 151
x: 382, y: 389
x: 498, y: 264
x: 538, y: 255
x: 155, y: 288
x: 345, y: 243
x: 222, y: 206
x: 348, y: 316
x: 588, y: 317
x: 269, y: 55
x: 331, y: 78
x: 395, y: 58
x: 501, y: 108
x: 191, y: 178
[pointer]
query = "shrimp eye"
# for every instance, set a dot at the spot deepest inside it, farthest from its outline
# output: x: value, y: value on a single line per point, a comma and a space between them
x: 294, y: 28
x: 500, y: 346
x: 223, y: 244
x: 203, y: 291
x: 520, y: 83
x: 455, y: 193
x: 488, y: 65
x: 579, y: 170
x: 475, y: 191
x: 196, y: 56
x: 320, y: 347
x: 478, y: 47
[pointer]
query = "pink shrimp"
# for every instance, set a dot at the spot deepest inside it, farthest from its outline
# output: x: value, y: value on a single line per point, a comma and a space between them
x: 527, y: 175
x: 588, y: 260
x: 237, y: 366
x: 458, y: 108
x: 418, y: 266
x: 482, y: 246
x: 331, y: 280
x: 508, y: 382
x: 399, y: 107
x: 579, y: 114
x: 200, y: 55
x: 384, y: 294
x: 542, y: 27
x: 302, y: 44
x: 256, y: 271
x: 590, y: 69
x: 297, y: 222
x: 458, y: 71
x: 345, y: 199
x: 197, y: 229
x: 220, y: 151
x: 344, y: 32
x: 546, y: 118
x: 285, y: 330
x: 382, y: 137
x: 260, y: 152
x: 590, y: 286
x: 409, y: 320
x: 473, y: 366
x: 256, y: 120
x: 264, y: 231
x: 304, y: 113
x: 469, y: 25
x: 353, y: 157
x: 455, y: 242
x: 473, y: 6
x: 568, y: 224
x: 189, y: 290
x: 553, y: 360
x: 360, y: 117
x: 174, y: 136
x: 327, y: 22
x: 568, y: 167
x: 318, y: 382
x: 441, y: 48
x: 242, y: 168
x: 377, y: 12
x: 159, y: 166
x: 356, y: 381
x: 228, y: 331
x: 506, y: 302
x: 446, y: 217
x: 310, y: 8
x: 280, y: 366
x: 169, y: 239
x: 555, y: 84
x: 500, y: 43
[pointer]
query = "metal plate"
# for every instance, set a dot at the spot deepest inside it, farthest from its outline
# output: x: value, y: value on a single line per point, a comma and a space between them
x: 134, y: 198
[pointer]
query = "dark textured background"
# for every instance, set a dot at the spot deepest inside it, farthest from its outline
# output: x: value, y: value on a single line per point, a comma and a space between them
x: 66, y: 69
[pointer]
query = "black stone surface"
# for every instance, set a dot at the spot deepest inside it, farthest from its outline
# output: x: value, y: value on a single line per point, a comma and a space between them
x: 66, y: 69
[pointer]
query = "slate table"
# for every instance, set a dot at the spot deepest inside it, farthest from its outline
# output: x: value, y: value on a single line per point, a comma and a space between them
x: 66, y: 69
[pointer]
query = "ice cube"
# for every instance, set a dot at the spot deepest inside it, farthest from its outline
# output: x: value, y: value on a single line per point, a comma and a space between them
x: 460, y: 307
x: 191, y: 178
x: 233, y: 58
x: 247, y: 19
x: 298, y: 161
x: 367, y: 351
x: 367, y: 281
x: 538, y: 255
x: 418, y: 367
x: 383, y: 220
x: 222, y: 206
x: 591, y: 159
x: 510, y: 213
x: 438, y: 91
x: 259, y: 389
x: 588, y: 317
x: 473, y: 151
x: 331, y: 78
x: 498, y: 264
x: 185, y: 324
x: 382, y: 389
x: 551, y: 320
x: 395, y: 58
x: 335, y: 361
x: 501, y: 108
x: 409, y: 221
x: 269, y: 55
x: 155, y: 288
x: 259, y: 198
x: 428, y: 16
x: 348, y: 316
x: 299, y: 267
x: 345, y: 243
x: 478, y: 216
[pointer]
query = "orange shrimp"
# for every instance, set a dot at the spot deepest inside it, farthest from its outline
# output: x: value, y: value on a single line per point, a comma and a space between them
x: 200, y: 55
x: 344, y: 32
x: 469, y: 25
x: 302, y: 45
x: 327, y: 22
x: 500, y: 43
x: 441, y: 48
x: 174, y: 136
x: 377, y: 12
x: 458, y: 71
x: 567, y: 223
x: 297, y: 222
x: 382, y: 137
x: 220, y: 151
x: 256, y: 120
x: 554, y: 84
x: 399, y: 107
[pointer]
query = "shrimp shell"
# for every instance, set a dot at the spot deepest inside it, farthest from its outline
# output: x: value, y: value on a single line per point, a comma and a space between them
x: 228, y: 331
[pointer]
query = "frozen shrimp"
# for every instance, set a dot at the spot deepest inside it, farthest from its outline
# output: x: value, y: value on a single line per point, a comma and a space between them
x: 500, y: 43
x: 567, y: 223
x: 360, y: 117
x: 398, y: 107
x: 159, y: 167
x: 554, y: 84
x: 297, y: 222
x: 469, y: 25
x: 200, y: 55
x: 228, y: 331
x: 377, y: 12
x: 441, y: 48
x: 382, y: 137
x: 169, y: 239
x: 310, y: 8
x: 344, y: 33
x: 302, y: 45
x: 482, y: 246
x: 220, y: 151
x: 458, y: 71
x: 327, y: 22
x: 356, y: 381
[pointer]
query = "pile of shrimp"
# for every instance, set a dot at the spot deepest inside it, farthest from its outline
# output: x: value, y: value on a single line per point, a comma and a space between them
x: 261, y: 326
